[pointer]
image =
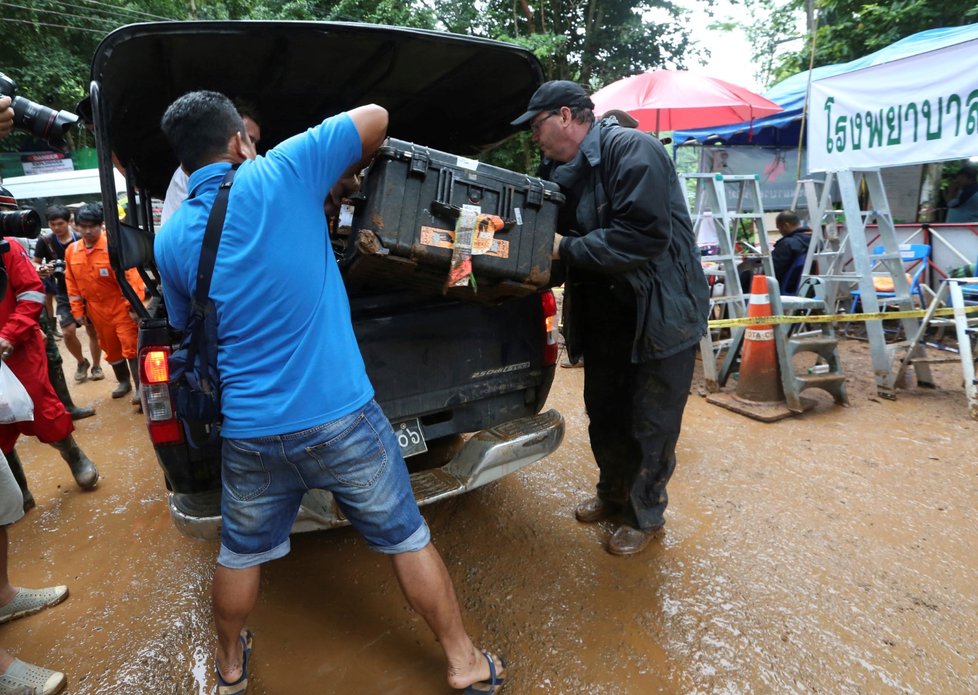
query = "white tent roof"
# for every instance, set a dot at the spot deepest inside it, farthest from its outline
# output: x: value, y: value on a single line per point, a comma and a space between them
x: 59, y: 183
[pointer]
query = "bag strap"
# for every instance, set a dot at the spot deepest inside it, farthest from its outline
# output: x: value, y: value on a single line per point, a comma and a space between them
x: 212, y: 239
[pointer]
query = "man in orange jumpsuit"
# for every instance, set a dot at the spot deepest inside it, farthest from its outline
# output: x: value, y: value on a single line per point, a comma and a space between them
x: 97, y: 299
x: 22, y: 349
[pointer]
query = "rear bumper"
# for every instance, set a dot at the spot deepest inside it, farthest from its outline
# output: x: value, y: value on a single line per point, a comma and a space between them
x: 487, y: 456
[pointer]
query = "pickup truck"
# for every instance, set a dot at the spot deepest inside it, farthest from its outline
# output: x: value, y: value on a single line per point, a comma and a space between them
x: 463, y: 382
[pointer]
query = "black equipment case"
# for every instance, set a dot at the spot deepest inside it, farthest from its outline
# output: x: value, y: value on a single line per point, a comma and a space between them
x: 406, y: 214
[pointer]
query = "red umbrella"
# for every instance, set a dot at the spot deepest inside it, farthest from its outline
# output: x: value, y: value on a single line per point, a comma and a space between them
x: 679, y: 100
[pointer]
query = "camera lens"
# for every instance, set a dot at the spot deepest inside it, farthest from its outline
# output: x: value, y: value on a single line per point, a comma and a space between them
x: 42, y: 121
x: 20, y: 223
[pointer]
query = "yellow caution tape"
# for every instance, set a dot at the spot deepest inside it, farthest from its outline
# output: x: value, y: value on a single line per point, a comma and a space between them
x: 832, y: 318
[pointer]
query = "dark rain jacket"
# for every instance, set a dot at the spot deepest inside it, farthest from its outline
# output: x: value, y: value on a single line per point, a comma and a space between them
x: 633, y: 224
x: 786, y: 251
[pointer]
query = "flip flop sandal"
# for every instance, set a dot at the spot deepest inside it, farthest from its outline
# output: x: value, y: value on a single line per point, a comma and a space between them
x: 495, y: 681
x: 29, y: 601
x: 241, y: 685
x: 24, y: 677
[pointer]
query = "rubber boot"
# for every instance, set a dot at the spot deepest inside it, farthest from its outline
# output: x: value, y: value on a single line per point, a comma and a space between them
x: 13, y: 460
x: 121, y: 369
x: 56, y: 372
x: 60, y: 384
x: 134, y: 369
x: 85, y: 472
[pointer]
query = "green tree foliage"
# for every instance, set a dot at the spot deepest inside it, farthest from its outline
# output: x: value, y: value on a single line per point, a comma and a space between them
x: 392, y: 12
x: 845, y: 29
x: 591, y: 41
x: 594, y: 42
x: 47, y: 48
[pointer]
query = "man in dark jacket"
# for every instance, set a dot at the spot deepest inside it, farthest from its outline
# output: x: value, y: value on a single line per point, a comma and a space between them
x: 792, y: 246
x: 635, y: 304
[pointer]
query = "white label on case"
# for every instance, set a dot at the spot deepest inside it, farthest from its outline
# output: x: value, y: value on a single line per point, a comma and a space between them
x: 518, y: 214
x: 466, y: 163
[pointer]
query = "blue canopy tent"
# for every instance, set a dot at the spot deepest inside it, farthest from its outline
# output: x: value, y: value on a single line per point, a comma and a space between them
x: 784, y: 129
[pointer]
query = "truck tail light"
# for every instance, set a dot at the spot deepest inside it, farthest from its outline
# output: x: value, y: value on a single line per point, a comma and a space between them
x: 549, y: 304
x: 154, y: 386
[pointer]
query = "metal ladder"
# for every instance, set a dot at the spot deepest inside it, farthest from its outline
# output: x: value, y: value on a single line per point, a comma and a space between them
x: 833, y: 251
x: 964, y: 328
x: 821, y: 342
x: 825, y: 251
x: 732, y: 200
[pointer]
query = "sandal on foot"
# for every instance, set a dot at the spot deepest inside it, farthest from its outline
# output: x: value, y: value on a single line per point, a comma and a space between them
x: 23, y: 677
x: 29, y: 601
x: 495, y: 680
x: 241, y: 685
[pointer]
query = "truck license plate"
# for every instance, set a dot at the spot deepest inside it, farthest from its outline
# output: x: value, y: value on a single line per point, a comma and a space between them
x: 410, y: 438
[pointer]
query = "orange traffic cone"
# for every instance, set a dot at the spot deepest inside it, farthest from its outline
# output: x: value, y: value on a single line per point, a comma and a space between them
x: 760, y: 378
x: 759, y: 393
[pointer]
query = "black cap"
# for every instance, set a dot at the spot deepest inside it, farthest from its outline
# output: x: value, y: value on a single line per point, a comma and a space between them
x: 89, y: 214
x: 550, y: 96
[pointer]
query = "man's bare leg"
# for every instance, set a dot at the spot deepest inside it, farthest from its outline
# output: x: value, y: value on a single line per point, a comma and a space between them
x: 233, y: 595
x: 429, y: 591
x: 72, y: 342
x: 93, y: 345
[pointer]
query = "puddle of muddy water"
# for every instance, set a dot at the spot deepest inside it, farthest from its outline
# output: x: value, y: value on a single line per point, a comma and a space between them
x: 828, y: 553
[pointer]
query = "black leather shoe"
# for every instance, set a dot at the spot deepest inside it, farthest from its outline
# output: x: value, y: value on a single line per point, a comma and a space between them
x: 629, y: 541
x: 594, y: 509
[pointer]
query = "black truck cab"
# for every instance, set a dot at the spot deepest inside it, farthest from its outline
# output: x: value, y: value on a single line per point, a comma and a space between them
x: 463, y: 379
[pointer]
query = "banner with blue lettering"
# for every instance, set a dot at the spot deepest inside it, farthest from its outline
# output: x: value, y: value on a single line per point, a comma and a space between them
x: 919, y: 109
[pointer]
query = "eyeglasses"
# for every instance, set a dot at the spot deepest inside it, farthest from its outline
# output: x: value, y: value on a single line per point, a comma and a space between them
x: 535, y: 126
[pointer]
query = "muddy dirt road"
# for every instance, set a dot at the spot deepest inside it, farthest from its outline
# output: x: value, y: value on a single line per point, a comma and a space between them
x: 832, y: 553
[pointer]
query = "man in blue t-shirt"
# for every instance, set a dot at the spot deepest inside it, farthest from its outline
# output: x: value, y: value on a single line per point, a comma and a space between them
x: 298, y: 407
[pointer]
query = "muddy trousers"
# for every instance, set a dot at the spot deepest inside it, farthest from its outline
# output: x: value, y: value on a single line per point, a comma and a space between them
x: 635, y: 413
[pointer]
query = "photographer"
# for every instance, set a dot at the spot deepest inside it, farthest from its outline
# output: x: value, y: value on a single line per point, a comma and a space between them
x: 49, y: 253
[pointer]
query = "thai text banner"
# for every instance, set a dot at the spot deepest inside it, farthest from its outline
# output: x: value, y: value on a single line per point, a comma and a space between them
x: 911, y: 111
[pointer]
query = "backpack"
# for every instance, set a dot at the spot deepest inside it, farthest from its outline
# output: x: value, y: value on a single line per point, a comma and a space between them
x: 195, y: 384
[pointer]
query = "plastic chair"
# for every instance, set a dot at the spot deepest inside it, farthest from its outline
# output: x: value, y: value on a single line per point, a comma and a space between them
x: 915, y: 256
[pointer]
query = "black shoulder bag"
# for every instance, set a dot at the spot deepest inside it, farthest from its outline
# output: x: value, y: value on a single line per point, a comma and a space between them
x: 195, y: 384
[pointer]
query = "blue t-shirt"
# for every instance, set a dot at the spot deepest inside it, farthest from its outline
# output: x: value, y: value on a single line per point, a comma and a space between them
x: 287, y: 355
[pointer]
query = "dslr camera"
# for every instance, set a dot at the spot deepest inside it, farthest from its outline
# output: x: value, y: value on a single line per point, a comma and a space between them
x: 45, y: 123
x: 57, y: 267
x: 14, y: 222
x: 20, y: 223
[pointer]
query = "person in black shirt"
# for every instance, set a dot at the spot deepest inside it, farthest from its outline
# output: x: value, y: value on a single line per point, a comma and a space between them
x: 793, y: 245
x: 51, y: 247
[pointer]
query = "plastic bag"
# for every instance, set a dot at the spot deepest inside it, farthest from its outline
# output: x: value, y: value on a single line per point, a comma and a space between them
x: 15, y: 403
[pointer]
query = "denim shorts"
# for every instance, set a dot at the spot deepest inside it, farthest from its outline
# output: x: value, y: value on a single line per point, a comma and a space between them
x: 355, y: 457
